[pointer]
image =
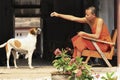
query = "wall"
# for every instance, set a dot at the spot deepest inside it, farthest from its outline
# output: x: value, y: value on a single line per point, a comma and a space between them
x: 106, y: 11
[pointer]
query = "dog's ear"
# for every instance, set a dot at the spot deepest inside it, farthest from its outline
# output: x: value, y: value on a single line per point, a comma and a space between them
x: 32, y: 31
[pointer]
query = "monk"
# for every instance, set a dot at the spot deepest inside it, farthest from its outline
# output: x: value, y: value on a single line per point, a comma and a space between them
x: 98, y: 28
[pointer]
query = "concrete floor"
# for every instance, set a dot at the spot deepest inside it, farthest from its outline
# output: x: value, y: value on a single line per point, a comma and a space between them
x: 24, y: 73
x: 38, y: 73
x: 42, y: 70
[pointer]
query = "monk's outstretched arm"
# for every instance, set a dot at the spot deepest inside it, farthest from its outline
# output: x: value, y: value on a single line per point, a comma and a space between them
x: 69, y: 17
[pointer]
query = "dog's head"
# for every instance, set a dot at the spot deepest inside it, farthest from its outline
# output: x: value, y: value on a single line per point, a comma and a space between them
x: 35, y: 31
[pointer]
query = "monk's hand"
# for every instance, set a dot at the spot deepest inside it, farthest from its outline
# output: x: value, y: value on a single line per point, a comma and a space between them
x: 54, y: 14
x: 81, y: 33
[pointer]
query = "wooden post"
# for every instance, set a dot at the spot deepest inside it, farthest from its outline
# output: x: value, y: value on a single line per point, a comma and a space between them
x: 118, y: 27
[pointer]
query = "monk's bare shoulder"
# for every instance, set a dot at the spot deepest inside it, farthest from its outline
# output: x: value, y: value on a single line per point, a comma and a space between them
x: 100, y: 19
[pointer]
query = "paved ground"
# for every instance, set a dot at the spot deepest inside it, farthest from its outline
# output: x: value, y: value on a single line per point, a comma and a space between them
x: 24, y: 73
x: 42, y: 71
x: 38, y: 73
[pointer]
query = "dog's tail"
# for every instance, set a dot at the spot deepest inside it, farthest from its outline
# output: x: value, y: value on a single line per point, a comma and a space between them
x: 3, y: 45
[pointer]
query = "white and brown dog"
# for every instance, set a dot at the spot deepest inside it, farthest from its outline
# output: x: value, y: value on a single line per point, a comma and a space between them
x: 25, y: 45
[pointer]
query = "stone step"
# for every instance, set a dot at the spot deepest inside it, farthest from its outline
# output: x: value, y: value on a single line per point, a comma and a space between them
x: 39, y: 72
x: 24, y: 77
x: 24, y: 73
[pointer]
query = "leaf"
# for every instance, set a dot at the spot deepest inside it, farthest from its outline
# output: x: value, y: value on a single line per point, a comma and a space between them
x: 54, y: 61
x: 112, y: 74
x: 55, y: 64
x: 87, y: 67
x: 109, y: 75
x: 69, y: 68
x: 104, y: 78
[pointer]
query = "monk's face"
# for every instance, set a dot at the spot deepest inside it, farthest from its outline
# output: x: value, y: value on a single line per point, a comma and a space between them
x: 89, y: 15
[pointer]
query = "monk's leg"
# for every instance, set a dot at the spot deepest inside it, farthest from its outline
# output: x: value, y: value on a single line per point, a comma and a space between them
x: 79, y: 45
x: 78, y: 53
x: 74, y: 53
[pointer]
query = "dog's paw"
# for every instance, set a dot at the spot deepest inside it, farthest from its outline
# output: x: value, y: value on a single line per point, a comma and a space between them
x: 8, y: 67
x: 31, y: 67
x: 16, y: 67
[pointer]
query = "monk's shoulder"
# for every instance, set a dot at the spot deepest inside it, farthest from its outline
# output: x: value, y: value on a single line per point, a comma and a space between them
x: 100, y: 19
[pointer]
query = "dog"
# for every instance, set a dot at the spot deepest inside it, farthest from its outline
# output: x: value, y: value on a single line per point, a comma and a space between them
x: 25, y: 45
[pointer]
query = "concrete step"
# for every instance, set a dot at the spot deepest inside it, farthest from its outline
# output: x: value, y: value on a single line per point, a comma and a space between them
x: 39, y: 72
x: 24, y: 73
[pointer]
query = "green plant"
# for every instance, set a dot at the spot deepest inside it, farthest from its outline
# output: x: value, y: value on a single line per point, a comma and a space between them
x: 62, y: 59
x: 77, y: 69
x: 109, y: 76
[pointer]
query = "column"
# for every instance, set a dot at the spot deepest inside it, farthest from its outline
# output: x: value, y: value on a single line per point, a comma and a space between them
x: 118, y: 27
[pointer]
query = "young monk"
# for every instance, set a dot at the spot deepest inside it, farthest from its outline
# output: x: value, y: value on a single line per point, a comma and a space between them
x: 98, y: 28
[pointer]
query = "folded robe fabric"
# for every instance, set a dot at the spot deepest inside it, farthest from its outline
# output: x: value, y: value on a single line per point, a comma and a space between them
x: 81, y: 44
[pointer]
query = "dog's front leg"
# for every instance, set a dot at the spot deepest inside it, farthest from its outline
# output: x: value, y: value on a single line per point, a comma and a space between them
x: 30, y: 60
x: 8, y: 57
x: 8, y: 66
x: 15, y: 63
x: 16, y: 56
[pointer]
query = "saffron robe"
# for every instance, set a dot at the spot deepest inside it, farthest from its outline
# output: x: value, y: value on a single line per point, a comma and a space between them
x: 81, y: 44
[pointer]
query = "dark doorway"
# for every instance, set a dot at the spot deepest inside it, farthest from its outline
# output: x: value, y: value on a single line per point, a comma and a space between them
x: 58, y: 32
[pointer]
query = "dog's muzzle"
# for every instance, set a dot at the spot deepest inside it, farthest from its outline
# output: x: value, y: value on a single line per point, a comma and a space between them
x: 38, y: 30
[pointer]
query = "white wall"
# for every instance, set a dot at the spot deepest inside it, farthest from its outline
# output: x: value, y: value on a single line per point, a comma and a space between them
x: 106, y: 11
x: 21, y: 33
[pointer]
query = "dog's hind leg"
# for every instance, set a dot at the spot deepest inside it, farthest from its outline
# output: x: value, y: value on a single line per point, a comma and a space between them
x: 8, y: 51
x: 15, y: 55
x: 8, y: 66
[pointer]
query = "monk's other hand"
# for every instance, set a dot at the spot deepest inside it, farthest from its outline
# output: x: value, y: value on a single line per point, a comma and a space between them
x: 81, y: 33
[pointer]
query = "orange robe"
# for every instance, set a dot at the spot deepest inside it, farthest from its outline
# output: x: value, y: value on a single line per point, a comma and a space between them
x: 81, y: 44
